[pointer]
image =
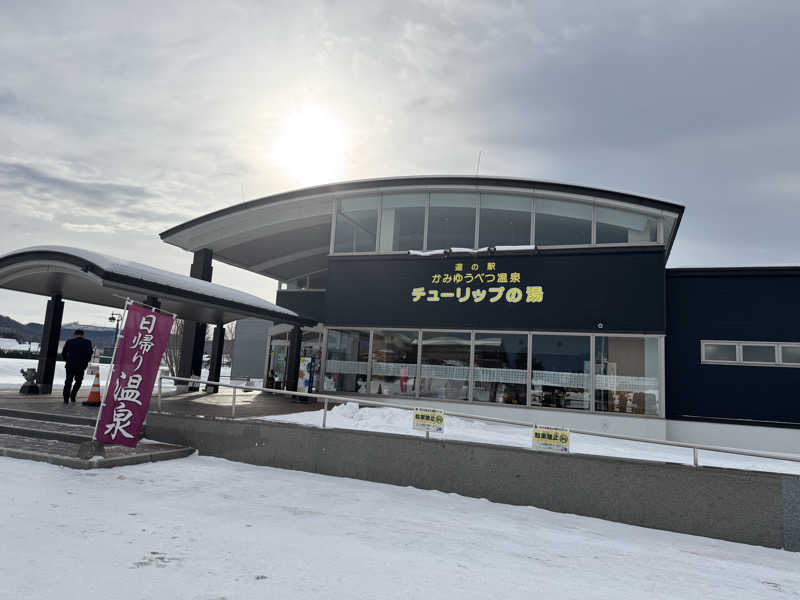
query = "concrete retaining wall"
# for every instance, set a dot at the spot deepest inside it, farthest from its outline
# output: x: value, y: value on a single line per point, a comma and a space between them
x: 617, y: 423
x: 753, y: 437
x: 741, y: 506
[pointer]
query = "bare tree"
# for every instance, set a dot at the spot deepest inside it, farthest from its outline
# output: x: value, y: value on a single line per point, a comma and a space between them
x: 172, y: 354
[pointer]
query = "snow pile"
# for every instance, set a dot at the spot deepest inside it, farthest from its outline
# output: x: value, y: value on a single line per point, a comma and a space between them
x: 14, y: 345
x: 137, y: 270
x: 203, y: 528
x: 11, y: 378
x: 398, y: 421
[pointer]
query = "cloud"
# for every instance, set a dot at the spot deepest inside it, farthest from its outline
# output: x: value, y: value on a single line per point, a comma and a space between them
x: 57, y: 194
x: 122, y: 120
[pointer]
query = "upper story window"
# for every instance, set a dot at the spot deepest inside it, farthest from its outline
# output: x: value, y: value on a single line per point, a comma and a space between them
x: 505, y: 220
x: 451, y: 220
x: 403, y: 222
x: 396, y: 221
x: 625, y: 227
x: 357, y: 224
x: 670, y: 221
x: 314, y: 281
x: 562, y: 223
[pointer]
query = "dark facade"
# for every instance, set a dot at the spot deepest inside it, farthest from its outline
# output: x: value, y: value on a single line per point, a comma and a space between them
x: 582, y: 290
x: 495, y: 290
x: 735, y: 306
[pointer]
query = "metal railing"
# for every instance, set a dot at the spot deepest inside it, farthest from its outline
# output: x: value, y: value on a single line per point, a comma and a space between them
x: 344, y: 400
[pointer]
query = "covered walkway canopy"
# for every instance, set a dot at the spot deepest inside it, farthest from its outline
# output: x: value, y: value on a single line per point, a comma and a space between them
x: 67, y: 273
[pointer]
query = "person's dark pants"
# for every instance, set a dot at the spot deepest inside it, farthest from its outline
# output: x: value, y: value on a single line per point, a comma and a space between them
x: 70, y: 389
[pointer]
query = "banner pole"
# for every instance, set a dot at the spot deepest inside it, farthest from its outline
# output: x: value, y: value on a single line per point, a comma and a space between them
x: 128, y: 302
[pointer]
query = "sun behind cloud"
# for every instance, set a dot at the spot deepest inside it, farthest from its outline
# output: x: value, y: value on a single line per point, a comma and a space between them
x: 311, y: 146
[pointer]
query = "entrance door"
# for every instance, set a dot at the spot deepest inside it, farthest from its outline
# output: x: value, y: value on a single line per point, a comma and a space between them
x: 310, y: 362
x: 278, y: 351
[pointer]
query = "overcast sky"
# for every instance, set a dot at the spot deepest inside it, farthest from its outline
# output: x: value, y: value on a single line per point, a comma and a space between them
x: 119, y: 120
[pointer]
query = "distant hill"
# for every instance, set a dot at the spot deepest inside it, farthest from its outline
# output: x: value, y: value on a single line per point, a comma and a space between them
x: 32, y: 332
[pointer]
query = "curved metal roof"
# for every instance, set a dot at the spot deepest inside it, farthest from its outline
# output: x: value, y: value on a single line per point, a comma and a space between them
x: 287, y: 235
x: 86, y: 276
x: 427, y: 180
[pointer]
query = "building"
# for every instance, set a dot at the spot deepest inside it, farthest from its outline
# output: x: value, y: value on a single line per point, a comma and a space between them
x: 544, y: 301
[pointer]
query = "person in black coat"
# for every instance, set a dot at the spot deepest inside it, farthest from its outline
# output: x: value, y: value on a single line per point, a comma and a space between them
x: 77, y: 353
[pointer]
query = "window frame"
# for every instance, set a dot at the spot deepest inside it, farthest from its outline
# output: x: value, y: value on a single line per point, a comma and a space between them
x: 521, y: 194
x: 704, y: 360
x: 781, y: 362
x: 529, y: 333
x: 476, y: 209
x: 337, y: 210
x: 740, y: 362
x: 593, y: 201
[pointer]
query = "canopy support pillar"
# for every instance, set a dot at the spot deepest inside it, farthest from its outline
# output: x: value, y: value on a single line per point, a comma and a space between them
x: 215, y: 368
x: 293, y: 358
x: 48, y: 353
x: 194, y: 334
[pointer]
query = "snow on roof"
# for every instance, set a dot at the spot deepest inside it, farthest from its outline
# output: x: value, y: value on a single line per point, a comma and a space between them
x: 137, y: 270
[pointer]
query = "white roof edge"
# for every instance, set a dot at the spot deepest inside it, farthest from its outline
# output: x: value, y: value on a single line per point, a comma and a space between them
x: 155, y: 275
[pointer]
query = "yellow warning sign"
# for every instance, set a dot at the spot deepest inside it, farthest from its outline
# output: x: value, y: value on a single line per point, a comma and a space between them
x: 552, y: 439
x: 429, y: 419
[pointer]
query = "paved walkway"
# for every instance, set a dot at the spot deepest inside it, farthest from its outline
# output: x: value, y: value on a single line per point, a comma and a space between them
x: 43, y: 428
x: 248, y: 404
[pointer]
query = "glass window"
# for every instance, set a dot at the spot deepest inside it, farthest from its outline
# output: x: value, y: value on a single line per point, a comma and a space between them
x: 669, y: 226
x: 346, y: 360
x: 403, y: 222
x: 625, y: 227
x: 500, y: 368
x: 504, y: 221
x: 790, y: 355
x: 394, y: 362
x: 760, y: 354
x: 356, y: 224
x: 560, y: 376
x: 451, y: 221
x: 560, y: 223
x: 278, y: 350
x: 311, y: 350
x: 721, y: 352
x: 627, y: 375
x: 444, y: 372
x: 300, y: 283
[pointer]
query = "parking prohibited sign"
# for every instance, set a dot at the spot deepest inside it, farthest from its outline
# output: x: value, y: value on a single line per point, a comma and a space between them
x: 551, y: 439
x: 429, y: 419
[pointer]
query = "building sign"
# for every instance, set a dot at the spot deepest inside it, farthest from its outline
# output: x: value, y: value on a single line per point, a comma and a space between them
x: 551, y: 439
x: 564, y: 290
x: 428, y: 419
x: 136, y: 361
x: 476, y: 282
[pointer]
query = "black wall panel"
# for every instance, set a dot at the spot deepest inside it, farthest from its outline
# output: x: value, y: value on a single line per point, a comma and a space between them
x: 307, y: 304
x: 622, y: 289
x: 735, y: 305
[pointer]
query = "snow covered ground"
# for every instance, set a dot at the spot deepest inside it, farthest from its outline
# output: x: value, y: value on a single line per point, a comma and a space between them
x: 206, y: 528
x: 395, y: 420
x: 11, y: 378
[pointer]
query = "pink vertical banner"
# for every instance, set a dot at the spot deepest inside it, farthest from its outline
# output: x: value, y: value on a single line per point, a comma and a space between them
x: 133, y: 374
